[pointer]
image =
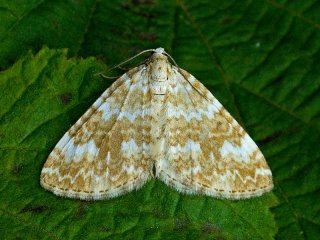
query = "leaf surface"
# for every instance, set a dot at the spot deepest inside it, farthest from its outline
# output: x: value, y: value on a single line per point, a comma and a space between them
x: 259, y: 58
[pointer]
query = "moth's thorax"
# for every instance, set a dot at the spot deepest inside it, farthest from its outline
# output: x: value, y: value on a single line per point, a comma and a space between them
x: 159, y: 70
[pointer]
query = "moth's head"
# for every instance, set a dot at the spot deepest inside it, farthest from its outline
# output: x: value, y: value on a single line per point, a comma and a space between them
x: 159, y: 54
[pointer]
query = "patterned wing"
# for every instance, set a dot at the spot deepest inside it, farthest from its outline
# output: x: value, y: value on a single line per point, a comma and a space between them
x: 105, y: 154
x: 208, y: 152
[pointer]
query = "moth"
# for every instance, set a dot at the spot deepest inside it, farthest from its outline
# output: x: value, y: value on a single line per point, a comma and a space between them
x: 156, y: 121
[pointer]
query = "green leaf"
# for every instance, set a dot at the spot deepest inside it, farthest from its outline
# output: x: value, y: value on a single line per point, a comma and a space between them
x: 45, y: 94
x: 259, y: 58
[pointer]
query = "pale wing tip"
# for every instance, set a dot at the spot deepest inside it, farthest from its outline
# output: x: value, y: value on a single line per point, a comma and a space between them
x: 89, y: 196
x: 242, y: 195
x: 212, y: 192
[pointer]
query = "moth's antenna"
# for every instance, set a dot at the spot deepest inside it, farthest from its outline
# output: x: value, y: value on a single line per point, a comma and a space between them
x: 120, y: 64
x: 128, y: 60
x: 171, y: 58
x: 145, y: 51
